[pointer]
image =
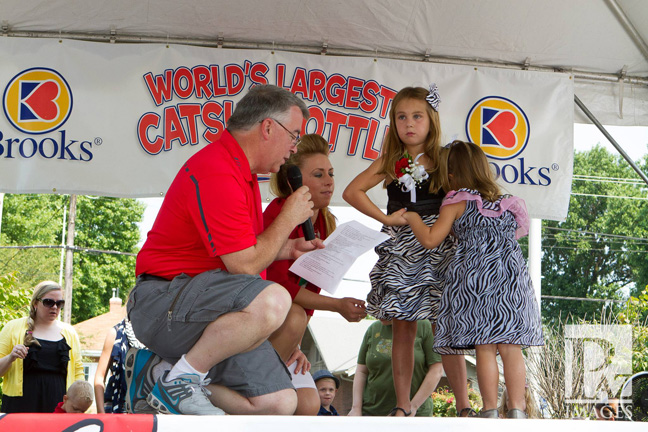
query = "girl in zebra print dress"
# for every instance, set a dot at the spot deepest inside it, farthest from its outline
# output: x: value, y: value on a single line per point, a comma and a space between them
x: 407, y: 280
x: 489, y: 303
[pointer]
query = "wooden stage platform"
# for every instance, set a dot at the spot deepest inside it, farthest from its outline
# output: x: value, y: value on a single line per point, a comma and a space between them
x: 159, y: 423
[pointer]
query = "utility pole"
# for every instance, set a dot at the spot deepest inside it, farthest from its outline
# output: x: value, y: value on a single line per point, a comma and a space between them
x: 1, y: 202
x: 69, y: 258
x: 62, y: 261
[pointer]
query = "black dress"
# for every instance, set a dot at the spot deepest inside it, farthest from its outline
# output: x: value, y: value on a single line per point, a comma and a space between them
x: 44, y: 379
x: 407, y: 280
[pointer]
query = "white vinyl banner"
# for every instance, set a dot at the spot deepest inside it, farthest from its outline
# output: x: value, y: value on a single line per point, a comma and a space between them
x: 120, y: 119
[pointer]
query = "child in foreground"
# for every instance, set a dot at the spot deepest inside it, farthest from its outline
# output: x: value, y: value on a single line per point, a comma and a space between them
x: 78, y: 399
x: 489, y: 303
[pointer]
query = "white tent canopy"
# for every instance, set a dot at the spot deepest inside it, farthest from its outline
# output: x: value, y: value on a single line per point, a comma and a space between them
x: 602, y: 42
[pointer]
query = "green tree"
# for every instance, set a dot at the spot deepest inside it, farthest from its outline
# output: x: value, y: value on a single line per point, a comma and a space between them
x: 593, y: 254
x: 635, y: 312
x: 14, y: 300
x: 32, y: 219
x: 102, y: 223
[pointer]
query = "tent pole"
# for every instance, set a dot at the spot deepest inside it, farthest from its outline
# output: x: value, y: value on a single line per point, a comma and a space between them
x: 639, y: 42
x: 63, y: 250
x: 535, y: 256
x: 1, y: 203
x: 604, y: 131
x: 317, y: 49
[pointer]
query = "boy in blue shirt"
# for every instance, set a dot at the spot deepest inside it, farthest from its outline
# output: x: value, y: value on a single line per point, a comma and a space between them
x: 327, y: 385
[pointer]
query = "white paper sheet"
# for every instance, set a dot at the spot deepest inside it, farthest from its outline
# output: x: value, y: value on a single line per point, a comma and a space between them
x: 326, y: 267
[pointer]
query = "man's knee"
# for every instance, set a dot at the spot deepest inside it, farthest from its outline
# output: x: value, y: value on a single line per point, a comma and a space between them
x: 273, y: 304
x: 296, y: 322
x: 308, y: 402
x: 282, y: 402
x: 288, y: 336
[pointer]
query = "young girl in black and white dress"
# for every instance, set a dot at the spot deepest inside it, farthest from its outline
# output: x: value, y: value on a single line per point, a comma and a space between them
x: 407, y: 280
x: 488, y: 303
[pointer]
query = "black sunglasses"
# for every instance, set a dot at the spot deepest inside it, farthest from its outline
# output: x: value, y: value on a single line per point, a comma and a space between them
x: 51, y: 302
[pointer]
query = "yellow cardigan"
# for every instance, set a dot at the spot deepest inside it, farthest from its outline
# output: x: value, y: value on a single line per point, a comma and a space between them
x: 13, y: 333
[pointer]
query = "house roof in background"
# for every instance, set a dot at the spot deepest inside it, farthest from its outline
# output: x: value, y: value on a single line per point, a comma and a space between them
x: 92, y: 332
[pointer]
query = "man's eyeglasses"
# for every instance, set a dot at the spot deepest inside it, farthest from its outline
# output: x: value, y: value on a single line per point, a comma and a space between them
x: 295, y: 138
x: 51, y: 302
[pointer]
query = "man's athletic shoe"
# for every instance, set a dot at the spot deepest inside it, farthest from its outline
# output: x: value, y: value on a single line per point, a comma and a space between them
x: 182, y: 395
x: 139, y: 379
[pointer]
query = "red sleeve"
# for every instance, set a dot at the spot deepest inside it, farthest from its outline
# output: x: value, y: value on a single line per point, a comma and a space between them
x: 278, y: 271
x: 272, y: 211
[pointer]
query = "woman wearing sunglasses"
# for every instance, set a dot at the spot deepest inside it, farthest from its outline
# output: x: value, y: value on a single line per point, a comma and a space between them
x: 40, y: 356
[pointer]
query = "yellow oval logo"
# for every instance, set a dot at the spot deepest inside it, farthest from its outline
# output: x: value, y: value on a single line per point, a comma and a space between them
x: 37, y: 101
x: 499, y: 126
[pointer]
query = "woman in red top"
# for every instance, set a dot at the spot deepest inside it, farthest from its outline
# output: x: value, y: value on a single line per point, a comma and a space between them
x: 317, y: 173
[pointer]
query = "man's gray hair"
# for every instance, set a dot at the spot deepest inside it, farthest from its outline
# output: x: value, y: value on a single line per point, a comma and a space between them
x: 262, y: 102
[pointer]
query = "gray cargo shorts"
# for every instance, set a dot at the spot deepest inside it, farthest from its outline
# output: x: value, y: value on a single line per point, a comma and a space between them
x: 170, y: 316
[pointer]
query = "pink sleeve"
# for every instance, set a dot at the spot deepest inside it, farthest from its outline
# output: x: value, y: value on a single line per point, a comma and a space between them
x: 454, y: 197
x: 517, y: 206
x: 512, y: 203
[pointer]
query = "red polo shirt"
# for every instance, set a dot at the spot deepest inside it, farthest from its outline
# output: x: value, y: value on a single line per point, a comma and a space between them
x: 278, y: 270
x: 212, y: 208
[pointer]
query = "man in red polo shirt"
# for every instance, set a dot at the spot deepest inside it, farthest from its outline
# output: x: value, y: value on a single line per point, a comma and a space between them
x: 200, y: 301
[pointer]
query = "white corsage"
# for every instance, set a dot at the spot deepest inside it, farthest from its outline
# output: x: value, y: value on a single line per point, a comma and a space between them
x: 410, y: 174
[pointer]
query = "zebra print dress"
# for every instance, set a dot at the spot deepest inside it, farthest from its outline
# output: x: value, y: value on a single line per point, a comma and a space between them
x: 407, y: 280
x: 489, y: 298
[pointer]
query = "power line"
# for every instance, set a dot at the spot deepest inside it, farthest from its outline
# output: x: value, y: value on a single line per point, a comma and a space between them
x: 74, y: 248
x: 622, y: 237
x: 585, y: 249
x: 44, y: 224
x: 593, y: 241
x: 582, y: 299
x: 583, y: 244
x: 603, y: 179
x: 616, y: 180
x: 609, y: 196
x: 595, y: 250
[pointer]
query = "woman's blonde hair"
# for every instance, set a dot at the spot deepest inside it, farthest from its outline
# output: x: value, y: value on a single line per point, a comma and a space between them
x: 469, y: 167
x: 309, y: 145
x: 532, y: 410
x: 39, y: 292
x: 393, y: 148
